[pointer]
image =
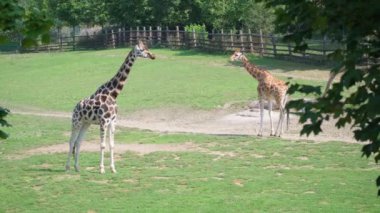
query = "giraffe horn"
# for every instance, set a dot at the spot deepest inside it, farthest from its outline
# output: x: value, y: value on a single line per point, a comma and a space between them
x: 141, y: 44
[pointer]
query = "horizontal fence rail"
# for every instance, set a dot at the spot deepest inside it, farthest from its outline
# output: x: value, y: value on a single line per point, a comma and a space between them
x: 264, y: 45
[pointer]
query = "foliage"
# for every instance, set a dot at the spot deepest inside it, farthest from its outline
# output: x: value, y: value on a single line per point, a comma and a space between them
x: 75, y: 12
x: 200, y: 30
x: 355, y: 99
x: 32, y: 23
x: 216, y: 14
x: 3, y: 112
x: 257, y: 17
x: 196, y: 28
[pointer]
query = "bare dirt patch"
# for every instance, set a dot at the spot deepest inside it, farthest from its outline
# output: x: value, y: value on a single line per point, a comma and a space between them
x: 226, y: 120
x: 92, y: 146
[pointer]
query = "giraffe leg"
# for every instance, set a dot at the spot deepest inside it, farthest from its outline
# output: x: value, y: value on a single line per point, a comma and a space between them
x: 111, y: 132
x: 77, y: 145
x: 103, y: 129
x: 284, y: 111
x: 279, y: 124
x: 261, y: 101
x: 279, y: 128
x: 270, y: 117
x: 73, y: 138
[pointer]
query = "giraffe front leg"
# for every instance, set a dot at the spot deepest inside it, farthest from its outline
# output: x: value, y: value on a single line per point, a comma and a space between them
x: 102, y: 148
x: 279, y: 125
x: 261, y: 102
x: 111, y: 131
x: 270, y: 117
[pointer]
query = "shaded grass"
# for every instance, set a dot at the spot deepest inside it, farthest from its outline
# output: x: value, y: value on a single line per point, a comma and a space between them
x: 264, y: 174
x: 57, y: 81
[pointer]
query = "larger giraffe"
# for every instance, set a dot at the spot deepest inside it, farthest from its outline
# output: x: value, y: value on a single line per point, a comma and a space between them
x: 101, y: 108
x: 269, y: 88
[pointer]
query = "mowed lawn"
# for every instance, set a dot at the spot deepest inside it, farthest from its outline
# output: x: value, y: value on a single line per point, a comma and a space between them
x: 223, y: 174
x: 176, y: 78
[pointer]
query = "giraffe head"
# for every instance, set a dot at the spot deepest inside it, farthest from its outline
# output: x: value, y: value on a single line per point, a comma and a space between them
x: 237, y: 56
x: 142, y: 50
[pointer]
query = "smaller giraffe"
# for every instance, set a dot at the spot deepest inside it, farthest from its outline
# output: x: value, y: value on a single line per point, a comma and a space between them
x: 269, y: 89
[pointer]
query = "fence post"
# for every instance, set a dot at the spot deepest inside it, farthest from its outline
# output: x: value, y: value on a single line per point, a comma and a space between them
x: 144, y: 33
x: 177, y: 36
x: 150, y: 38
x: 105, y: 38
x: 130, y: 36
x: 73, y: 38
x: 113, y: 38
x: 167, y: 36
x: 194, y: 39
x: 158, y: 34
x: 222, y: 39
x: 250, y: 40
x: 241, y: 40
x: 119, y: 38
x: 60, y: 42
x: 274, y: 45
x: 324, y: 46
x: 231, y: 39
x: 261, y: 43
x: 124, y: 40
x: 289, y: 49
x: 137, y: 34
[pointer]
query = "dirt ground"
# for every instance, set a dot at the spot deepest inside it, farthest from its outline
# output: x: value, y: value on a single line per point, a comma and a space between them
x: 226, y: 120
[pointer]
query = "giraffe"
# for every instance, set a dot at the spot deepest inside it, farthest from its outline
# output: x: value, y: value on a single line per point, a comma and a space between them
x: 101, y: 109
x: 269, y: 88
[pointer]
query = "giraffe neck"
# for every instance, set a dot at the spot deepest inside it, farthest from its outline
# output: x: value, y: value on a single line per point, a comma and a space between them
x: 253, y: 70
x: 114, y: 86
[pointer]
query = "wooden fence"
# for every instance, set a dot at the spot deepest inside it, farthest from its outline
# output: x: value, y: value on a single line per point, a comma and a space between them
x: 265, y: 45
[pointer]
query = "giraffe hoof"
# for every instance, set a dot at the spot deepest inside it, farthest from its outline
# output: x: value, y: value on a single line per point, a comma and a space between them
x: 76, y: 168
x: 102, y: 171
x: 113, y: 170
x: 260, y: 135
x: 67, y: 168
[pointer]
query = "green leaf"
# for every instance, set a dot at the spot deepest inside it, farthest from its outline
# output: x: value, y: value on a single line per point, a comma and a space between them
x: 3, y: 135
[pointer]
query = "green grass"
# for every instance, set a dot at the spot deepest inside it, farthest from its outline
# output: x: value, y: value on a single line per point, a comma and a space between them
x: 57, y: 81
x: 268, y: 175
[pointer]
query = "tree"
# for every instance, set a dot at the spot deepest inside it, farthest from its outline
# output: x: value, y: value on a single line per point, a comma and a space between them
x: 129, y: 12
x: 355, y: 99
x: 32, y: 23
x: 257, y: 17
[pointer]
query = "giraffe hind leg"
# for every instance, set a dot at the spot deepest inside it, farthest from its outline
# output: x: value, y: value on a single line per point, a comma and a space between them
x: 73, y: 138
x: 78, y: 143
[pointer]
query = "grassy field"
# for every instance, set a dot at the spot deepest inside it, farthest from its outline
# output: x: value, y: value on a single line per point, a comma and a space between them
x: 176, y: 78
x: 224, y: 173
